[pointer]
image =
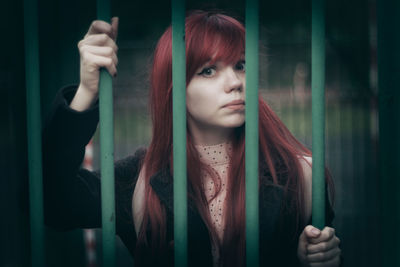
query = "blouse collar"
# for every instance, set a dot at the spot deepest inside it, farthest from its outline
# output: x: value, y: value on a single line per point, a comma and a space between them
x: 215, y: 154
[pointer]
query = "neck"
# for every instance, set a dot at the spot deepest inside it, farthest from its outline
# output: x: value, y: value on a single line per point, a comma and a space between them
x: 208, y: 136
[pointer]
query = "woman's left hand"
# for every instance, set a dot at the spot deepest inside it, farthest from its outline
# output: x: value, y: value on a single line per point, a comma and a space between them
x: 319, y: 248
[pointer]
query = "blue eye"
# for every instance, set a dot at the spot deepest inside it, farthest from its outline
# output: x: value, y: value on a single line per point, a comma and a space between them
x: 241, y: 65
x: 208, y: 71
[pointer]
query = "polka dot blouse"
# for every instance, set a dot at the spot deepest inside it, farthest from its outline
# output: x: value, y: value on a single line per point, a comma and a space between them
x: 217, y: 157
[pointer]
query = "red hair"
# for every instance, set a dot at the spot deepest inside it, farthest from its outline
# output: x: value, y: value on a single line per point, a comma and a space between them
x: 213, y: 37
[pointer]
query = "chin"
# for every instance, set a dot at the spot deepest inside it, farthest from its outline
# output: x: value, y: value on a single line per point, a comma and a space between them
x: 234, y: 123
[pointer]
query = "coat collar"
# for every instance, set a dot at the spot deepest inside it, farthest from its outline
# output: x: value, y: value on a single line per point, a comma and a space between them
x: 199, y: 242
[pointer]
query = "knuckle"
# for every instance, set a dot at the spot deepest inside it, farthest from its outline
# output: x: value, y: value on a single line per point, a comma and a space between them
x: 332, y: 231
x: 103, y: 37
x: 309, y: 258
x: 308, y: 229
x: 82, y: 44
x: 108, y: 30
x: 83, y: 48
x: 320, y: 256
x: 84, y: 56
x: 95, y: 23
x: 112, y: 44
x: 327, y: 236
x: 315, y: 257
x: 109, y: 51
x: 109, y: 62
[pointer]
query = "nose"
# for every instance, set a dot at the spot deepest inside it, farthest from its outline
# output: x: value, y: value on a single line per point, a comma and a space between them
x: 233, y: 80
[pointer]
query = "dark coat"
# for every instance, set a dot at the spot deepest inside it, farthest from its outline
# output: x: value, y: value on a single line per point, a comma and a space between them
x: 72, y: 194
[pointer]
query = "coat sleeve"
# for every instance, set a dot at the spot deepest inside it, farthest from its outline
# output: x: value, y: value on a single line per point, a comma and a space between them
x: 72, y: 196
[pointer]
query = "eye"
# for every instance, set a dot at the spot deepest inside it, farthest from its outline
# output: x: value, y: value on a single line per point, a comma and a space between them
x: 207, y: 71
x: 240, y: 66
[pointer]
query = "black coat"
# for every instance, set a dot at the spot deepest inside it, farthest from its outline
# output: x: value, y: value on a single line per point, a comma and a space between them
x: 72, y: 194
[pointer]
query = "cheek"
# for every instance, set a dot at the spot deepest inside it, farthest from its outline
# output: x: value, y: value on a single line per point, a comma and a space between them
x: 199, y: 101
x: 199, y: 105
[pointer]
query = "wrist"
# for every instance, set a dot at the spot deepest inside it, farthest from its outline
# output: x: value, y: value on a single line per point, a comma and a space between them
x: 83, y: 99
x: 84, y: 90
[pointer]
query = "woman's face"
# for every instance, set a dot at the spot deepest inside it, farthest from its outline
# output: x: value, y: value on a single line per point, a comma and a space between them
x: 215, y: 96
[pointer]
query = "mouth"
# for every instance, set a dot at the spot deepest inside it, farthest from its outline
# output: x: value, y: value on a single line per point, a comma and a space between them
x: 235, y: 105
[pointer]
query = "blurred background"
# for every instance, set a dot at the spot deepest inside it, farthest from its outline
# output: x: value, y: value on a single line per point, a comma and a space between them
x: 352, y: 132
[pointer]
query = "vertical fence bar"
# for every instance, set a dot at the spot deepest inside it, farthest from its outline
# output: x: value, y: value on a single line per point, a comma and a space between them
x: 34, y: 132
x: 179, y: 131
x: 388, y: 43
x: 318, y: 112
x: 251, y: 129
x: 106, y: 152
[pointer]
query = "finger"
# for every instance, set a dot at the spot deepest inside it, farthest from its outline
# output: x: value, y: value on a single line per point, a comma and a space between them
x: 330, y: 263
x: 323, y: 246
x: 99, y: 26
x: 114, y: 26
x: 105, y: 51
x: 303, y: 241
x: 326, y: 234
x: 98, y: 40
x: 324, y: 256
x: 311, y: 231
x: 100, y: 61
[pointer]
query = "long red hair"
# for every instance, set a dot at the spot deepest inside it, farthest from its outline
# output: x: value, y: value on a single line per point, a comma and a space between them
x: 213, y: 36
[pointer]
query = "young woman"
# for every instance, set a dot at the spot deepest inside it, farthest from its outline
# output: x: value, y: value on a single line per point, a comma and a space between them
x: 215, y: 154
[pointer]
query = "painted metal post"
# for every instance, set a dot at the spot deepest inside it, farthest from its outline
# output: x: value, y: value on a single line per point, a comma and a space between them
x: 107, y: 152
x: 251, y: 140
x: 388, y: 37
x: 318, y: 113
x: 179, y: 131
x: 34, y: 132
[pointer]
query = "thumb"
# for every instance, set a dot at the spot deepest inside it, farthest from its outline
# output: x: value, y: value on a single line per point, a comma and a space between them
x: 302, y: 246
x: 311, y: 231
x: 303, y: 239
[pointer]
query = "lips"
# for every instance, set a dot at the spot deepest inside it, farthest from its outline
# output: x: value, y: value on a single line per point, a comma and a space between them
x: 235, y: 104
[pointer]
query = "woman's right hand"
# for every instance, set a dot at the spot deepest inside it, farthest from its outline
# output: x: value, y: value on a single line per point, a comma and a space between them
x: 98, y: 49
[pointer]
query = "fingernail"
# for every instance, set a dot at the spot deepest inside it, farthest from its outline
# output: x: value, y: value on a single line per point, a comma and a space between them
x: 315, y: 231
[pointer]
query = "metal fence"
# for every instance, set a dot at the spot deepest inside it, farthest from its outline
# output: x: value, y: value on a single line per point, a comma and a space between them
x: 107, y: 154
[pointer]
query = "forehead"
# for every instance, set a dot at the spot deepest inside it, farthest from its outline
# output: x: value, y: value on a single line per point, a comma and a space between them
x: 218, y: 49
x: 233, y: 59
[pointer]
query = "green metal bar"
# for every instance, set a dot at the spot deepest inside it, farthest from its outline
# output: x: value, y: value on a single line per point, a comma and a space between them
x: 318, y: 112
x: 251, y: 128
x: 388, y: 43
x: 34, y: 132
x: 179, y: 131
x: 107, y: 152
